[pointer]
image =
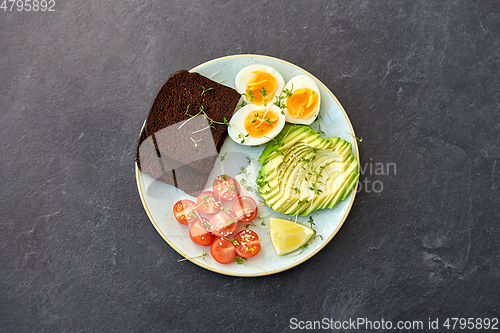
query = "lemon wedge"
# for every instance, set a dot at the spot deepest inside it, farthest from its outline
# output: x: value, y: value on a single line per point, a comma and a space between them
x: 288, y: 236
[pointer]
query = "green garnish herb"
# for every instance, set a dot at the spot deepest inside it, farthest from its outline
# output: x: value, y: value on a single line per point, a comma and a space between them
x: 243, y: 171
x: 239, y: 260
x: 201, y: 110
x: 263, y: 91
x: 311, y: 221
x: 243, y: 103
x: 310, y: 159
x: 242, y: 137
x: 302, y: 248
x: 314, y: 188
x: 202, y: 256
x: 251, y: 95
x: 287, y: 93
x: 195, y: 142
x: 205, y: 198
x: 284, y: 94
x: 227, y: 212
x: 234, y: 241
x: 268, y: 120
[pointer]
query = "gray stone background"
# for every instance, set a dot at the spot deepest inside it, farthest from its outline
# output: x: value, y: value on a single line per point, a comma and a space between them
x: 418, y: 79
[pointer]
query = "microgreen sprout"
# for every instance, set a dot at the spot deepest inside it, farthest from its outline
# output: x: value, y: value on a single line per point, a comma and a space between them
x: 251, y: 95
x: 311, y: 221
x: 201, y: 110
x: 195, y: 142
x: 355, y: 137
x: 234, y: 241
x: 206, y: 198
x: 263, y: 91
x: 310, y: 159
x: 205, y: 90
x: 240, y: 260
x: 242, y: 137
x: 318, y: 117
x: 243, y: 103
x: 206, y: 224
x: 225, y: 210
x: 300, y: 202
x: 243, y: 171
x: 302, y: 248
x: 315, y: 189
x: 284, y: 94
x: 202, y: 256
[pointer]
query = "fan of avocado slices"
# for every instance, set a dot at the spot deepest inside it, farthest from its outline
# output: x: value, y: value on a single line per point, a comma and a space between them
x: 302, y: 172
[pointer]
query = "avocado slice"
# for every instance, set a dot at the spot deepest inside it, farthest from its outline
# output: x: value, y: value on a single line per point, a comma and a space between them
x: 302, y: 172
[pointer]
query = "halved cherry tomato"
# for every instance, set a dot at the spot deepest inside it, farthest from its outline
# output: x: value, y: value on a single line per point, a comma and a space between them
x: 185, y: 211
x: 227, y: 188
x: 199, y: 234
x: 208, y: 203
x: 245, y: 209
x: 249, y: 244
x: 223, y: 251
x: 223, y: 223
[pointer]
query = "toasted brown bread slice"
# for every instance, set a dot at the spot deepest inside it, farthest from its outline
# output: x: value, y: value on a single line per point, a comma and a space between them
x: 185, y: 129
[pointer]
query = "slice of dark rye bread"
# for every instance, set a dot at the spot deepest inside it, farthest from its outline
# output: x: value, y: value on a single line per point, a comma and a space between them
x: 177, y: 148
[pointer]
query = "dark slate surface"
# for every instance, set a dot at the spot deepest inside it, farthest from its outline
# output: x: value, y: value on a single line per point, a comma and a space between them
x: 419, y: 80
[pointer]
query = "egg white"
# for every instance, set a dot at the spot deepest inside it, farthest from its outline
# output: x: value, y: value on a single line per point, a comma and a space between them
x: 298, y: 82
x: 237, y: 131
x: 246, y: 74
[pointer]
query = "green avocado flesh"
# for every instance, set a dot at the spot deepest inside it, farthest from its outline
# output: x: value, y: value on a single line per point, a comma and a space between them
x: 302, y: 172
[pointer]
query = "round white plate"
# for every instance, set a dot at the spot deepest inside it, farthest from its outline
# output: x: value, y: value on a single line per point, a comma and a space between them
x: 158, y: 198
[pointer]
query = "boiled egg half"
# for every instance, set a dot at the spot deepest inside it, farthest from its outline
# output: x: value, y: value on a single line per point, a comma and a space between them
x: 259, y: 84
x: 254, y: 125
x: 302, y: 100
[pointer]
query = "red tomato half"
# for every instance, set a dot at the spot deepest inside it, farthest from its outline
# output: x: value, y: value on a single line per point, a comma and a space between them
x: 245, y: 209
x: 222, y: 251
x: 199, y: 233
x: 208, y: 203
x: 227, y: 188
x: 185, y: 211
x: 249, y: 244
x: 223, y: 224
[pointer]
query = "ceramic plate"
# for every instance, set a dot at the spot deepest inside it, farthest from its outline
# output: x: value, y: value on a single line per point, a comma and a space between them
x: 158, y: 198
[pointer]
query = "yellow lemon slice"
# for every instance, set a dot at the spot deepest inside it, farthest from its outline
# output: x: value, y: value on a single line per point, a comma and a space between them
x: 288, y: 236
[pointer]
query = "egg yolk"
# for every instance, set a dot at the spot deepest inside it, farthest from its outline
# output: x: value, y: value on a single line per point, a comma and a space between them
x: 302, y: 103
x: 261, y: 88
x: 260, y: 123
